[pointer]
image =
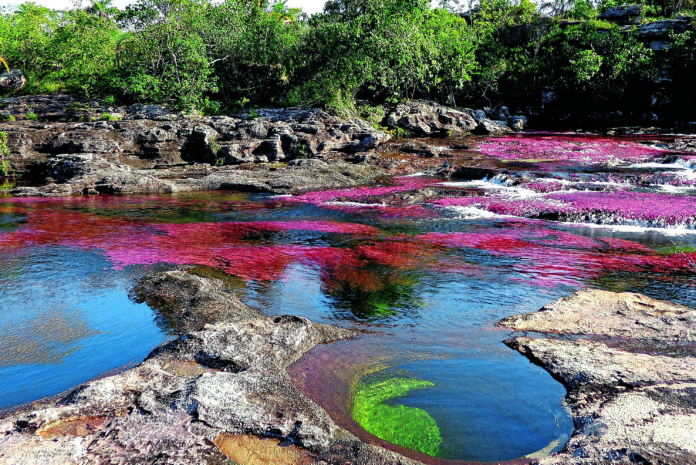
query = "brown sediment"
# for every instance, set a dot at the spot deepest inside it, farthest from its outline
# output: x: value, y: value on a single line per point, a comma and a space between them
x: 186, y: 368
x: 244, y: 449
x: 78, y: 426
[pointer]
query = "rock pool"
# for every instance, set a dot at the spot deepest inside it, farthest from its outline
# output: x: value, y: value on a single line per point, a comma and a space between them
x: 423, y: 266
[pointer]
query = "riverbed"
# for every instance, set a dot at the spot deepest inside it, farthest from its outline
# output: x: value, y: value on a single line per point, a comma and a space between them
x: 423, y: 266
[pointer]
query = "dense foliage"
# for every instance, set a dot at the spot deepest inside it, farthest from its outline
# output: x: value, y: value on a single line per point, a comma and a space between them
x: 216, y: 56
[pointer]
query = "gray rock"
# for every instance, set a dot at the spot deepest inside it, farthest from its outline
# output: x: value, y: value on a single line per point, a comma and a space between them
x: 625, y: 315
x: 631, y: 375
x: 626, y: 14
x: 491, y: 127
x: 419, y: 149
x: 232, y: 154
x: 191, y: 301
x: 661, y: 30
x: 517, y: 122
x: 425, y: 118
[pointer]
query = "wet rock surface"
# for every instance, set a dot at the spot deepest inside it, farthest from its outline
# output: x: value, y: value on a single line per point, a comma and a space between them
x: 631, y: 394
x: 184, y: 402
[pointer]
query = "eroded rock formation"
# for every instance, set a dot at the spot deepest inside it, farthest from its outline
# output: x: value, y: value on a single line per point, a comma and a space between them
x: 631, y: 375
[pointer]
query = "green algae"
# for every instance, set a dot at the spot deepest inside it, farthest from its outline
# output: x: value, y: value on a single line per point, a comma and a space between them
x: 409, y: 427
x: 676, y: 249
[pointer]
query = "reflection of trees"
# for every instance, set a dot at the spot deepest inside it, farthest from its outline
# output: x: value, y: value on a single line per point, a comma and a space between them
x: 386, y: 296
x: 373, y: 279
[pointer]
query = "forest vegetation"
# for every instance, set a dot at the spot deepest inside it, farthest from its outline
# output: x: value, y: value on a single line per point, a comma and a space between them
x: 218, y: 57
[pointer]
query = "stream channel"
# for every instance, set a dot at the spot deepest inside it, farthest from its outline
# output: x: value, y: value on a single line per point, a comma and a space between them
x: 422, y: 266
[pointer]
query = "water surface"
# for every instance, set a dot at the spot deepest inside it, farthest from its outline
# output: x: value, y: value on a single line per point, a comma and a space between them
x: 424, y: 280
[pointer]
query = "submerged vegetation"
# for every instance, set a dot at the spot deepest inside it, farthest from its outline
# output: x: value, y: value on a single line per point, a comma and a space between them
x: 410, y: 427
x: 220, y: 56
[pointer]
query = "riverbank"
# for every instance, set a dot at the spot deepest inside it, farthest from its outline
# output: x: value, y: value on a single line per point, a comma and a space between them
x: 629, y: 364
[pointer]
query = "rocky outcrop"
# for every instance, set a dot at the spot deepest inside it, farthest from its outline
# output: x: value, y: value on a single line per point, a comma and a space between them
x: 625, y: 14
x: 149, y: 149
x: 191, y: 301
x: 14, y: 79
x: 630, y: 370
x: 425, y: 118
x: 658, y: 34
x: 185, y: 402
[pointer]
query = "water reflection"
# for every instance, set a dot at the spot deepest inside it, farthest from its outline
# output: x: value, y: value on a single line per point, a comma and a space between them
x: 65, y: 317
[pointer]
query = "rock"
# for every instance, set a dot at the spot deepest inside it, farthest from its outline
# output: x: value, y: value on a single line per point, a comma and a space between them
x: 490, y: 127
x: 78, y: 143
x: 630, y: 370
x: 140, y: 155
x: 419, y: 149
x: 499, y: 113
x: 232, y: 154
x: 661, y: 30
x: 517, y: 122
x: 198, y: 147
x: 425, y: 118
x: 626, y: 14
x: 625, y: 315
x: 15, y: 79
x: 191, y: 301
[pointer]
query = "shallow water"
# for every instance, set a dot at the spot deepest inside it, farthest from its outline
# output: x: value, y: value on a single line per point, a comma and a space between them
x: 425, y: 281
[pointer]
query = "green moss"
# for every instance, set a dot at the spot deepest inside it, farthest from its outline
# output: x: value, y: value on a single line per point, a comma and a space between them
x: 674, y: 249
x: 409, y: 427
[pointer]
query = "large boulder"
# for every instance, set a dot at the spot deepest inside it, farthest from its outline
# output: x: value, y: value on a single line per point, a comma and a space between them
x: 426, y: 118
x: 488, y: 127
x: 625, y: 14
x: 660, y: 30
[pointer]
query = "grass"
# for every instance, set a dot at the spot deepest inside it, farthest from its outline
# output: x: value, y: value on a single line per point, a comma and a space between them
x: 110, y: 117
x: 409, y: 427
x: 31, y: 116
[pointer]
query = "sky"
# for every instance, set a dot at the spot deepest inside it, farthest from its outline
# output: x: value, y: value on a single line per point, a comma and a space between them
x: 309, y: 6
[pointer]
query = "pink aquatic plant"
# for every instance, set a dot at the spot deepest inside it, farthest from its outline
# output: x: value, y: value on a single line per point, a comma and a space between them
x: 621, y: 207
x: 630, y: 207
x: 585, y: 149
x: 499, y: 204
x: 403, y: 184
x: 549, y: 258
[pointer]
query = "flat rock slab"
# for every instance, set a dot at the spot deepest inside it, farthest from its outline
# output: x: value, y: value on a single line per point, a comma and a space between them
x: 628, y: 406
x: 625, y: 315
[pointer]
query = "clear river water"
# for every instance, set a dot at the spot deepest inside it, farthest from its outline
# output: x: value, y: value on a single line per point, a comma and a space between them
x: 422, y: 266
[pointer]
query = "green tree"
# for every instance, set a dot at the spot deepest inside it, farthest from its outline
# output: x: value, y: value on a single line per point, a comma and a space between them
x: 164, y: 59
